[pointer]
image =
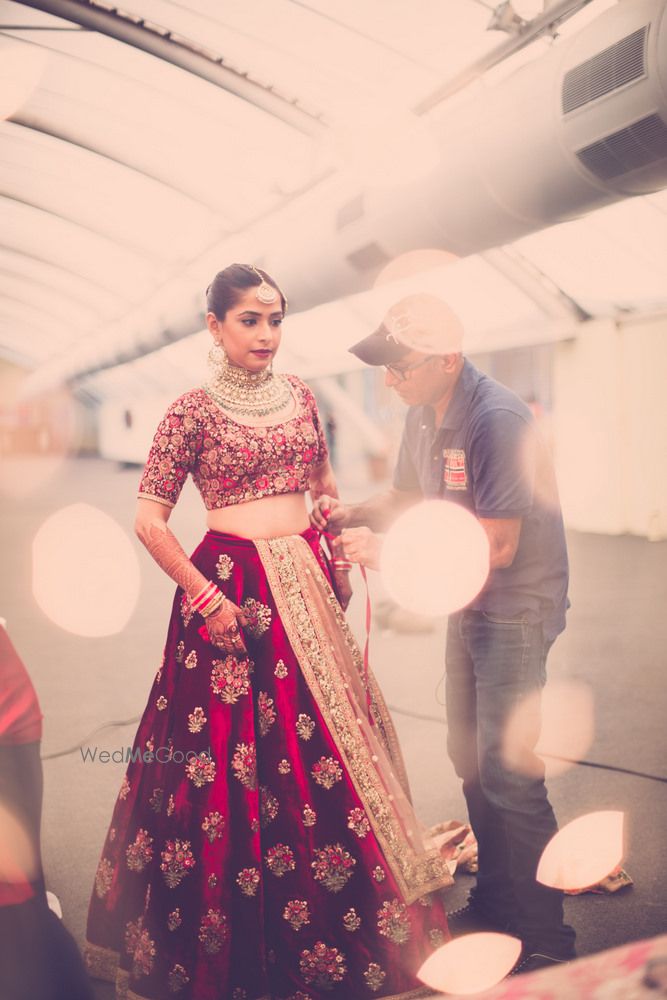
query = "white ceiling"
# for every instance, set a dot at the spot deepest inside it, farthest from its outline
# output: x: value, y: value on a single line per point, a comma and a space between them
x: 120, y: 172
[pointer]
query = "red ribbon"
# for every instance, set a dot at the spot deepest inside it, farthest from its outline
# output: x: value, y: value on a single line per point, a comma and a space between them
x: 330, y: 539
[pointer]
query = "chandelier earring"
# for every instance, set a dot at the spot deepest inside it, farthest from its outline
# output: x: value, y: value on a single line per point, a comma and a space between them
x: 217, y: 360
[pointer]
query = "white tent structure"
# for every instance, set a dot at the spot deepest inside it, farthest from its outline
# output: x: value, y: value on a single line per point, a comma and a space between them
x: 143, y: 147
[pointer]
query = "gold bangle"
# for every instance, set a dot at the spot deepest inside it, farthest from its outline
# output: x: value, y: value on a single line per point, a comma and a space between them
x: 216, y: 603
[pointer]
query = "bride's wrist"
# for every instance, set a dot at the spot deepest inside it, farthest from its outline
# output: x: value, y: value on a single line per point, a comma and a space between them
x: 209, y: 600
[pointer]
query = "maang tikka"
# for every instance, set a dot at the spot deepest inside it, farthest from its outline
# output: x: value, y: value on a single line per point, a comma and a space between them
x: 265, y: 293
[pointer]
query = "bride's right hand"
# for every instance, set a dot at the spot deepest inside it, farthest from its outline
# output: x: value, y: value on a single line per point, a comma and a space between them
x: 223, y: 628
x: 329, y: 514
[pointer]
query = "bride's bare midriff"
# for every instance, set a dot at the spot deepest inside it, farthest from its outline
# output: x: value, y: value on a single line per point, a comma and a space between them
x: 268, y: 517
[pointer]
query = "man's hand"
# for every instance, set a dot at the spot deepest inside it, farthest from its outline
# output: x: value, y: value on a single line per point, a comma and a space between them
x: 329, y: 514
x: 361, y: 545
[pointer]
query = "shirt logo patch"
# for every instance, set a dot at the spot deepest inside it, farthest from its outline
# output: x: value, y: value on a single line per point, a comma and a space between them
x: 454, y: 473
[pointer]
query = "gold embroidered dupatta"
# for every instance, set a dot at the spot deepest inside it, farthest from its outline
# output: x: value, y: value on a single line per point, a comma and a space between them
x: 333, y: 669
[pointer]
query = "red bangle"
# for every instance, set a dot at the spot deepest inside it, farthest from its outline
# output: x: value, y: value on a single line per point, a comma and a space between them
x: 204, y: 596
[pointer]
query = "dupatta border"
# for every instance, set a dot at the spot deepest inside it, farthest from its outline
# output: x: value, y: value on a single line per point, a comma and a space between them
x: 104, y: 963
x: 416, y: 872
x: 101, y: 963
x: 378, y: 706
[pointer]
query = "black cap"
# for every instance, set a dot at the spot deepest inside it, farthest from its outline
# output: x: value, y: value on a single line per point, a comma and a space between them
x: 379, y: 348
x: 419, y: 322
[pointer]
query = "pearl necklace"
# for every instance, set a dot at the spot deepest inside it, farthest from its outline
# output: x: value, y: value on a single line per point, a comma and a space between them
x: 248, y: 394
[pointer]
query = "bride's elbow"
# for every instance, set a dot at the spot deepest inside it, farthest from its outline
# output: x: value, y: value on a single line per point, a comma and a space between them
x: 149, y: 515
x: 142, y: 521
x: 140, y: 528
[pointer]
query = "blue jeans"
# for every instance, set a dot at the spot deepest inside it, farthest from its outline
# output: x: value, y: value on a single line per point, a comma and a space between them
x: 492, y: 664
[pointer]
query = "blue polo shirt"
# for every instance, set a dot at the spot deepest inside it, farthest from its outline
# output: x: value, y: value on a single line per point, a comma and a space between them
x: 488, y: 456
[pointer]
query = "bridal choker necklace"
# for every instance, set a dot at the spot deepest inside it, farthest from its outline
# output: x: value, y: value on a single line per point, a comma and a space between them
x: 248, y: 394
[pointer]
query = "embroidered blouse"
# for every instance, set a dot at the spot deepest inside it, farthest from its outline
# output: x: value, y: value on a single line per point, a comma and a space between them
x: 229, y: 462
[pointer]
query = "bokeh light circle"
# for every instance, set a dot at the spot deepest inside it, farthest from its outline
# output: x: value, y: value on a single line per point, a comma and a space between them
x: 583, y: 852
x: 85, y: 571
x: 18, y: 855
x: 563, y: 716
x: 471, y: 963
x: 435, y: 558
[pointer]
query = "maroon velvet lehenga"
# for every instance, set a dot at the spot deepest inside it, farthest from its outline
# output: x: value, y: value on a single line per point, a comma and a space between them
x: 264, y: 852
x: 263, y: 845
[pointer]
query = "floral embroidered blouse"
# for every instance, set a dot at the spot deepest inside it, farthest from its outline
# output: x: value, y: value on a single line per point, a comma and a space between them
x: 231, y: 463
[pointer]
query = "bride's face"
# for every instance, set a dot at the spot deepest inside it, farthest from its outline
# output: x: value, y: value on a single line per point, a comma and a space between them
x: 250, y: 332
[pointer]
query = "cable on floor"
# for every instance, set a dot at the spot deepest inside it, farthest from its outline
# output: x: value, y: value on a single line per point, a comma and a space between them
x: 569, y: 760
x: 397, y: 711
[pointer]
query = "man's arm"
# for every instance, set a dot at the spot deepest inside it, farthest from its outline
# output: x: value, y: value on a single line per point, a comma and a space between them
x: 361, y: 545
x: 376, y: 513
x: 503, y: 534
x: 502, y: 459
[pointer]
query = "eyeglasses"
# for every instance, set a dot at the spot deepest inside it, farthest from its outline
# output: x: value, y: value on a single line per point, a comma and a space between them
x: 402, y: 374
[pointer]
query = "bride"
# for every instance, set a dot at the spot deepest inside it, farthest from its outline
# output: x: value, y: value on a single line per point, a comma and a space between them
x: 263, y: 844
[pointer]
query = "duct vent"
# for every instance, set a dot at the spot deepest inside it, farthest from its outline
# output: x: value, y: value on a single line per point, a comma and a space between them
x: 640, y: 144
x: 350, y: 212
x: 608, y: 70
x: 367, y: 257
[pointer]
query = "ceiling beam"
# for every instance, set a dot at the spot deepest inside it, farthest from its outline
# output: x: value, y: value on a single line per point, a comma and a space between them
x: 27, y: 120
x: 52, y: 267
x: 534, y: 283
x: 188, y: 55
x: 29, y: 290
x: 85, y: 229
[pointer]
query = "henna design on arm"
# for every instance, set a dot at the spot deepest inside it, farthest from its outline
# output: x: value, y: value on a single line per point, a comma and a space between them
x: 166, y: 550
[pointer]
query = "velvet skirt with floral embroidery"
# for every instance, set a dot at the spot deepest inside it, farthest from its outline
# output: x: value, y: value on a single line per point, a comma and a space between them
x: 262, y: 846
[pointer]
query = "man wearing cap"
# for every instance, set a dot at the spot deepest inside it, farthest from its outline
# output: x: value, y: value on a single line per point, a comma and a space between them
x: 472, y: 441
